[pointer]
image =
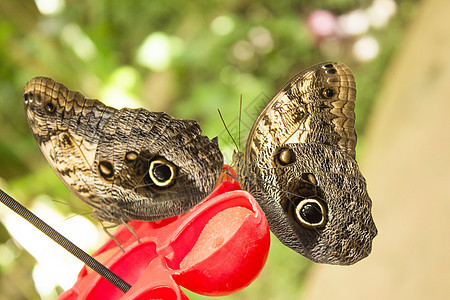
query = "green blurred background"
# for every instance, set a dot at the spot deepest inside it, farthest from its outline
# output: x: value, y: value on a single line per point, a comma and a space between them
x: 183, y: 57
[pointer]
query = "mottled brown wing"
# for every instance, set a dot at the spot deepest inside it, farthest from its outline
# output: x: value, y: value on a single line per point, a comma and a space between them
x: 300, y: 166
x: 129, y: 164
x: 315, y: 107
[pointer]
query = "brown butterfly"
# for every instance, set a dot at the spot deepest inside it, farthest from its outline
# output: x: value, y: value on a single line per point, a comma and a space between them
x: 299, y: 164
x: 128, y: 164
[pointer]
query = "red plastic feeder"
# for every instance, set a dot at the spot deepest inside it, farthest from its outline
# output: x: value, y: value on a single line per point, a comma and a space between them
x: 217, y: 248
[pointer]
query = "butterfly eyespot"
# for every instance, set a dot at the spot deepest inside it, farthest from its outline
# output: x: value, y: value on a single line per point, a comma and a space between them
x: 162, y: 172
x: 130, y: 156
x: 284, y: 156
x: 49, y: 107
x: 28, y: 97
x: 327, y: 93
x: 311, y: 213
x: 311, y: 178
x: 106, y: 170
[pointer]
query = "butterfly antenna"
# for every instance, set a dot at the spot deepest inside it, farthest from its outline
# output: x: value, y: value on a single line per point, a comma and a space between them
x: 78, y: 210
x: 240, y: 119
x: 73, y: 216
x: 226, y: 128
x: 234, y: 141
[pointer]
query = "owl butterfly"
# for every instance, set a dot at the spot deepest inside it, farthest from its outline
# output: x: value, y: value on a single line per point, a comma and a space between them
x: 299, y: 164
x: 128, y: 164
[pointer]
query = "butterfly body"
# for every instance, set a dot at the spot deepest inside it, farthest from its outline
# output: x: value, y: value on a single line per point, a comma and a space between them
x: 299, y: 164
x: 128, y: 164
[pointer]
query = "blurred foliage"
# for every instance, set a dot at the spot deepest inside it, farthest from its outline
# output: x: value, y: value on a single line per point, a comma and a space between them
x: 94, y: 46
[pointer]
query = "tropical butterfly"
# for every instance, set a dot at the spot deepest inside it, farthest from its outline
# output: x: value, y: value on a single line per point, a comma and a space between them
x: 128, y: 164
x: 299, y: 164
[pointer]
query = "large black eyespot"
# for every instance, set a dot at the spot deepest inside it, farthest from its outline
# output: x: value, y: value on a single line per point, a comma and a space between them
x: 327, y: 93
x: 162, y: 172
x: 50, y: 107
x: 284, y: 156
x: 311, y: 213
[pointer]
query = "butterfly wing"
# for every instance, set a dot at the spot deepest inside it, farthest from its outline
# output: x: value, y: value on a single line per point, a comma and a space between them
x: 299, y: 164
x: 315, y: 107
x: 129, y: 164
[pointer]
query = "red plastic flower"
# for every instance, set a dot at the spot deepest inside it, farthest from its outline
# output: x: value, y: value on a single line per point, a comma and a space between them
x: 217, y: 248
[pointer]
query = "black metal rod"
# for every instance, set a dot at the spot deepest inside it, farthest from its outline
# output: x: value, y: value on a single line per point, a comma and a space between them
x: 63, y: 241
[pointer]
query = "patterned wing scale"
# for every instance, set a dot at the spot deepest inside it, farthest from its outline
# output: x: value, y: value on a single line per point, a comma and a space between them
x: 129, y: 164
x: 316, y: 106
x: 299, y: 164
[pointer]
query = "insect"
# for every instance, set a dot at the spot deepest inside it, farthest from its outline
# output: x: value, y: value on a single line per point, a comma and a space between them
x: 128, y: 164
x: 299, y: 164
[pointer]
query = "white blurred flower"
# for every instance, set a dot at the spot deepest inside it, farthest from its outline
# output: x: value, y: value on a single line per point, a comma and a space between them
x: 366, y: 48
x: 354, y: 23
x: 380, y: 12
